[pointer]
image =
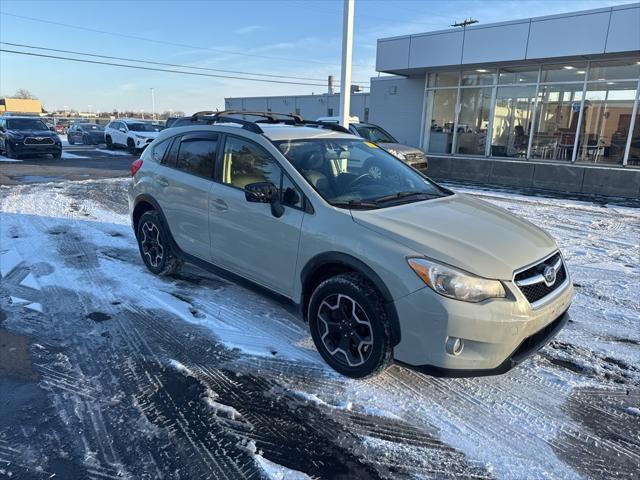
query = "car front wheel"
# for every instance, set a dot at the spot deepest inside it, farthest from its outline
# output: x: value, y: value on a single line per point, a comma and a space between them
x: 131, y: 147
x: 154, y: 245
x: 11, y: 153
x: 109, y: 143
x: 349, y: 326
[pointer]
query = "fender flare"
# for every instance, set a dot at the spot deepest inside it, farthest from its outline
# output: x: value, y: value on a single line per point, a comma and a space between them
x: 353, y: 263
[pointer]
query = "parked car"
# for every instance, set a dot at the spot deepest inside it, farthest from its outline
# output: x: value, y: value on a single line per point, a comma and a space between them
x: 382, y: 268
x: 134, y: 135
x: 27, y: 136
x: 378, y: 135
x: 87, y: 133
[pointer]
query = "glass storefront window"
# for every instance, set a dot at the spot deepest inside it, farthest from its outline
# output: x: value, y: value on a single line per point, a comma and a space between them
x: 443, y: 79
x: 480, y: 76
x: 556, y: 121
x: 606, y: 122
x: 634, y: 151
x: 442, y: 110
x: 516, y: 75
x: 473, y: 121
x: 617, y: 70
x: 563, y: 72
x: 512, y: 121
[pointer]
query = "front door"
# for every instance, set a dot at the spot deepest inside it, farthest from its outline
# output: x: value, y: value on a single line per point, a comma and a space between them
x: 183, y: 182
x: 246, y: 238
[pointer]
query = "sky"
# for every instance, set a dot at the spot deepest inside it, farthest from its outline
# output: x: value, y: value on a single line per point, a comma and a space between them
x: 299, y: 38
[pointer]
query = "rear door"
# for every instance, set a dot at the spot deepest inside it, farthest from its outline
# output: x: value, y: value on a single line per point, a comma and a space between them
x: 182, y: 188
x: 246, y: 238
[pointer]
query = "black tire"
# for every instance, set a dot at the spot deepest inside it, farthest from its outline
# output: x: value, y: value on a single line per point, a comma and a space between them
x: 131, y: 147
x: 369, y: 327
x: 109, y: 142
x: 151, y: 233
x: 10, y: 151
x: 70, y: 140
x: 86, y: 140
x: 57, y: 155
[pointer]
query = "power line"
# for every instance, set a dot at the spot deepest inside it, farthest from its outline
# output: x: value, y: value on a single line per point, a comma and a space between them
x: 150, y: 62
x: 135, y: 37
x: 138, y: 67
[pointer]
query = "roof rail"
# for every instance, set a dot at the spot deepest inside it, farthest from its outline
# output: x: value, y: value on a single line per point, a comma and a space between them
x: 226, y: 116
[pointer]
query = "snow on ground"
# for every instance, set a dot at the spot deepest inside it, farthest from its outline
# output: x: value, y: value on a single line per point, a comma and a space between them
x: 569, y: 412
x: 113, y: 152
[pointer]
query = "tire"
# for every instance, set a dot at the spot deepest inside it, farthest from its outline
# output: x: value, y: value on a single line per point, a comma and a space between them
x: 357, y: 346
x: 109, y: 142
x: 57, y: 155
x: 151, y: 233
x: 70, y: 140
x: 131, y: 147
x: 86, y: 140
x: 10, y: 151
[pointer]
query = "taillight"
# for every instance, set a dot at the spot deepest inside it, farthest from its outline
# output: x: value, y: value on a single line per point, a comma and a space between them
x: 135, y: 166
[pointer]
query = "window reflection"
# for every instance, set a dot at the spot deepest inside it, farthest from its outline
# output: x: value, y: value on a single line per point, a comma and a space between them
x: 512, y: 121
x: 607, y: 118
x: 556, y: 121
x: 442, y: 120
x: 473, y: 121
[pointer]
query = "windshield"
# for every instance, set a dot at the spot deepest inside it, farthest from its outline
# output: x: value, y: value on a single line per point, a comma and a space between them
x: 374, y: 134
x: 357, y: 174
x: 91, y: 126
x: 25, y: 124
x: 143, y: 127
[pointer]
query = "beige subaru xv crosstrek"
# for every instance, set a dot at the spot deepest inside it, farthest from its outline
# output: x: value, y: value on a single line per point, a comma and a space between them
x: 389, y: 268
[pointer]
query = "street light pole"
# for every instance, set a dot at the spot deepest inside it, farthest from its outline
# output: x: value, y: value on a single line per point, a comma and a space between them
x: 153, y: 105
x: 347, y: 50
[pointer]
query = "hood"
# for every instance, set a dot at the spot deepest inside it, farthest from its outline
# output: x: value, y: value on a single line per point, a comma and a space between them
x: 399, y: 147
x: 34, y: 133
x: 147, y: 134
x: 463, y: 232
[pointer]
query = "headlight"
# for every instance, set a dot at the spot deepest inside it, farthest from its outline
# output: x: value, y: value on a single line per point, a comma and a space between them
x: 16, y: 135
x: 453, y: 283
x: 396, y: 154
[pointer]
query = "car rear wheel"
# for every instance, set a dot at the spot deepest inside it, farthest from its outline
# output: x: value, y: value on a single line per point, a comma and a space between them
x: 70, y: 140
x: 154, y: 245
x: 349, y: 326
x: 109, y: 142
x: 131, y: 147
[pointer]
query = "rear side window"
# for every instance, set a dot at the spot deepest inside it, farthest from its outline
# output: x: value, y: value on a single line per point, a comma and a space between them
x: 160, y: 150
x: 197, y: 156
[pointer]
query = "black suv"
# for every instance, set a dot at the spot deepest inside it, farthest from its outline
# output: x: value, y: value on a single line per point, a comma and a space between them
x: 27, y: 136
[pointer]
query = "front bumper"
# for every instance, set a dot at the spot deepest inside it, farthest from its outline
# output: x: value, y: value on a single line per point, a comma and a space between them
x: 20, y: 148
x: 497, y: 334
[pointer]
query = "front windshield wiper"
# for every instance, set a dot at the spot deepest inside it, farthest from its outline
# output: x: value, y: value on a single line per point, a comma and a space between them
x: 404, y: 195
x: 355, y: 204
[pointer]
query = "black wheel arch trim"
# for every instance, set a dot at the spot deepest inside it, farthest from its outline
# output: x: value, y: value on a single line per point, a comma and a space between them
x: 353, y: 263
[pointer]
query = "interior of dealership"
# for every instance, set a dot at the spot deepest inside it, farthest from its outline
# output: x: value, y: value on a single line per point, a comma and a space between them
x: 583, y: 112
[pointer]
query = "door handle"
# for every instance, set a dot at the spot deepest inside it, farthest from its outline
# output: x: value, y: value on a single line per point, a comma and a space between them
x: 163, y: 182
x: 219, y: 204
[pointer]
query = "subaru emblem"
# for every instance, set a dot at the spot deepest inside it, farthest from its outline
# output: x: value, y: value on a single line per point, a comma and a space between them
x: 549, y: 275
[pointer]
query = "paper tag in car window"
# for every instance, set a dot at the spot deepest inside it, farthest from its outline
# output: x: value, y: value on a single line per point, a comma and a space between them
x: 372, y: 145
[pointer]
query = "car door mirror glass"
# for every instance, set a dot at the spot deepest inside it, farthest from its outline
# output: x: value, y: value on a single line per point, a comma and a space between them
x: 260, y: 192
x: 123, y: 130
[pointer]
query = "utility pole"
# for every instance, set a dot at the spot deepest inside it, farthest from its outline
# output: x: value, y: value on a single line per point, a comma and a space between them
x: 153, y: 105
x: 347, y: 51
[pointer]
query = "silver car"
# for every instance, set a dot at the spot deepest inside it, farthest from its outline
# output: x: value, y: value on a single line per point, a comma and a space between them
x: 383, y: 269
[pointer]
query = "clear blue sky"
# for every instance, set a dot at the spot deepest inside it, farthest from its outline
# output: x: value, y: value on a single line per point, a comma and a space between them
x: 300, y: 38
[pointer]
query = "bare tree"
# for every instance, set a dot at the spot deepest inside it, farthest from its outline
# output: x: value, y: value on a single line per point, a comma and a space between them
x: 24, y: 94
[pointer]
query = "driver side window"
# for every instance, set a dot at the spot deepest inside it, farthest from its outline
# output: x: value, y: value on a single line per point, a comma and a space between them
x: 245, y: 163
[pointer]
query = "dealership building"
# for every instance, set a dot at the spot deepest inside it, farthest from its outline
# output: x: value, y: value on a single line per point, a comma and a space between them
x: 547, y: 102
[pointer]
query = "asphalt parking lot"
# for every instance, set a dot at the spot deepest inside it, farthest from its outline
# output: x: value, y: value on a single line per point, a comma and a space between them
x: 78, y: 162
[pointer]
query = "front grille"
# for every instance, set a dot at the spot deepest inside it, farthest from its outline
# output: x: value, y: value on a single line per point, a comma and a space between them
x: 38, y: 141
x: 532, y: 283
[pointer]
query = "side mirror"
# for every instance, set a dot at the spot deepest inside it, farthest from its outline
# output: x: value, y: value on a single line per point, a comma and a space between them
x: 265, y: 192
x: 123, y: 130
x: 53, y: 129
